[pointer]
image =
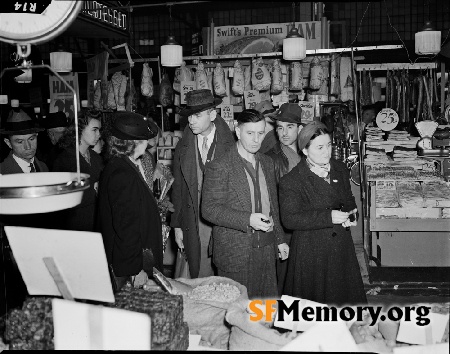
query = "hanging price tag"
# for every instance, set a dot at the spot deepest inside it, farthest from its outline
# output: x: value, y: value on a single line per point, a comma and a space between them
x: 226, y: 111
x: 185, y: 87
x: 251, y: 98
x: 307, y: 111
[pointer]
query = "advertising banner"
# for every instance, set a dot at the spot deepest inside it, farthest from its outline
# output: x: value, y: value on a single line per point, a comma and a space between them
x: 262, y: 38
x: 61, y: 98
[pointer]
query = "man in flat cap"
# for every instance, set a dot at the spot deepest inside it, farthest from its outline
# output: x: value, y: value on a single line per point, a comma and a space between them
x: 207, y: 137
x: 21, y: 137
x: 55, y: 124
x: 240, y: 199
x: 285, y: 156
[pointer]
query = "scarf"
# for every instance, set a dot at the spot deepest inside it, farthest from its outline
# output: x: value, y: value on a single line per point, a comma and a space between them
x: 322, y: 171
x: 292, y: 156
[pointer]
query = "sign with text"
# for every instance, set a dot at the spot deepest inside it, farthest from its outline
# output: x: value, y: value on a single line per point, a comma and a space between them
x: 105, y: 14
x: 61, y: 97
x: 307, y: 111
x: 185, y: 87
x: 251, y: 98
x: 262, y: 38
x: 226, y: 111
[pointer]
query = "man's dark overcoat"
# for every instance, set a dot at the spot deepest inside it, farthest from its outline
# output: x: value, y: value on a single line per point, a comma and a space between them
x: 185, y: 188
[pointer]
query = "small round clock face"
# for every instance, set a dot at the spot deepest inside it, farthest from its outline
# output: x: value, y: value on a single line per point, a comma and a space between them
x: 33, y: 28
x: 424, y: 143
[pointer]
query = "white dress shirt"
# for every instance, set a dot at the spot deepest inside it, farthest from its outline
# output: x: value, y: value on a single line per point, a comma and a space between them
x: 210, y: 138
x: 24, y: 165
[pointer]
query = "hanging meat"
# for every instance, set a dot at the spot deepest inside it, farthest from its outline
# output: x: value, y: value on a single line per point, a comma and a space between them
x: 316, y: 74
x: 165, y: 91
x: 276, y: 86
x: 260, y: 75
x: 296, y: 76
x: 238, y: 79
x: 183, y: 73
x: 98, y: 96
x: 335, y: 88
x: 146, y: 81
x: 219, y: 81
x: 201, y: 79
x: 111, y: 104
x: 388, y: 89
x: 248, y: 78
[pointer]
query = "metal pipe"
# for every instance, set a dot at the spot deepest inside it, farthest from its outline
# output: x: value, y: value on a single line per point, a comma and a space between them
x: 154, y: 5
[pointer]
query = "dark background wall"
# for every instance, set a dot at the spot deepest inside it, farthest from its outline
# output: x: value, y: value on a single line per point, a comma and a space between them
x: 352, y: 23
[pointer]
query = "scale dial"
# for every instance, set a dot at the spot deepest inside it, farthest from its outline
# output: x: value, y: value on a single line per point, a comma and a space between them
x: 425, y: 143
x: 34, y: 28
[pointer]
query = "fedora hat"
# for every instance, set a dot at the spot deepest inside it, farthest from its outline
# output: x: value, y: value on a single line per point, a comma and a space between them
x: 289, y: 112
x: 266, y: 108
x: 55, y: 120
x: 131, y: 126
x: 20, y: 123
x: 199, y: 101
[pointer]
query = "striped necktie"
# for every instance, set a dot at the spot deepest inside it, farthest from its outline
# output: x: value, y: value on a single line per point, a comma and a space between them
x: 204, y: 149
x: 32, y: 169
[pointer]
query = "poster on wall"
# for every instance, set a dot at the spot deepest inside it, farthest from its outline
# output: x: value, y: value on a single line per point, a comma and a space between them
x: 262, y: 38
x: 61, y: 97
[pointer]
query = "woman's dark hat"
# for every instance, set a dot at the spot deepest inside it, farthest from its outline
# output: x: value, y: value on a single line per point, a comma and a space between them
x: 199, y: 101
x: 131, y: 126
x: 289, y: 112
x: 307, y: 132
x: 55, y: 120
x: 20, y: 123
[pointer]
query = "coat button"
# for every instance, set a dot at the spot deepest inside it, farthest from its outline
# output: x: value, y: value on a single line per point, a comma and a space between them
x: 334, y: 234
x: 187, y: 228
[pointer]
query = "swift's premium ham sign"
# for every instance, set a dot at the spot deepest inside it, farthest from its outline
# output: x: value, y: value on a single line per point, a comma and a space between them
x: 262, y: 38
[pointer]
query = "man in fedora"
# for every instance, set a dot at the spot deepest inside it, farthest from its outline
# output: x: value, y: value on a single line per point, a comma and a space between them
x: 55, y: 124
x: 285, y: 153
x: 21, y: 137
x: 206, y: 137
x: 285, y: 156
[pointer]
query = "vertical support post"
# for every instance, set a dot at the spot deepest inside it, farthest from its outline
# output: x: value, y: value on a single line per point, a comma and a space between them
x: 362, y: 184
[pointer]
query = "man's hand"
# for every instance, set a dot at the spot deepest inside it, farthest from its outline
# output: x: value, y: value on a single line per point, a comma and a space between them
x: 257, y: 223
x: 179, y: 238
x: 283, y: 251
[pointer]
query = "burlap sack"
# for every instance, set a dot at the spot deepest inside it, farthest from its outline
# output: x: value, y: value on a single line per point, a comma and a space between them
x: 249, y: 335
x: 207, y: 318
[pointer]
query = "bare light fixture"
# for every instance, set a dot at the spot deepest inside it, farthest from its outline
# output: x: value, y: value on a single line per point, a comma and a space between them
x: 294, y: 45
x: 61, y: 61
x: 428, y: 40
x: 171, y: 51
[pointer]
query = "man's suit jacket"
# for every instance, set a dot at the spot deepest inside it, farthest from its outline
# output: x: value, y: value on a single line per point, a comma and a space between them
x: 227, y: 204
x: 185, y: 188
x: 10, y: 166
